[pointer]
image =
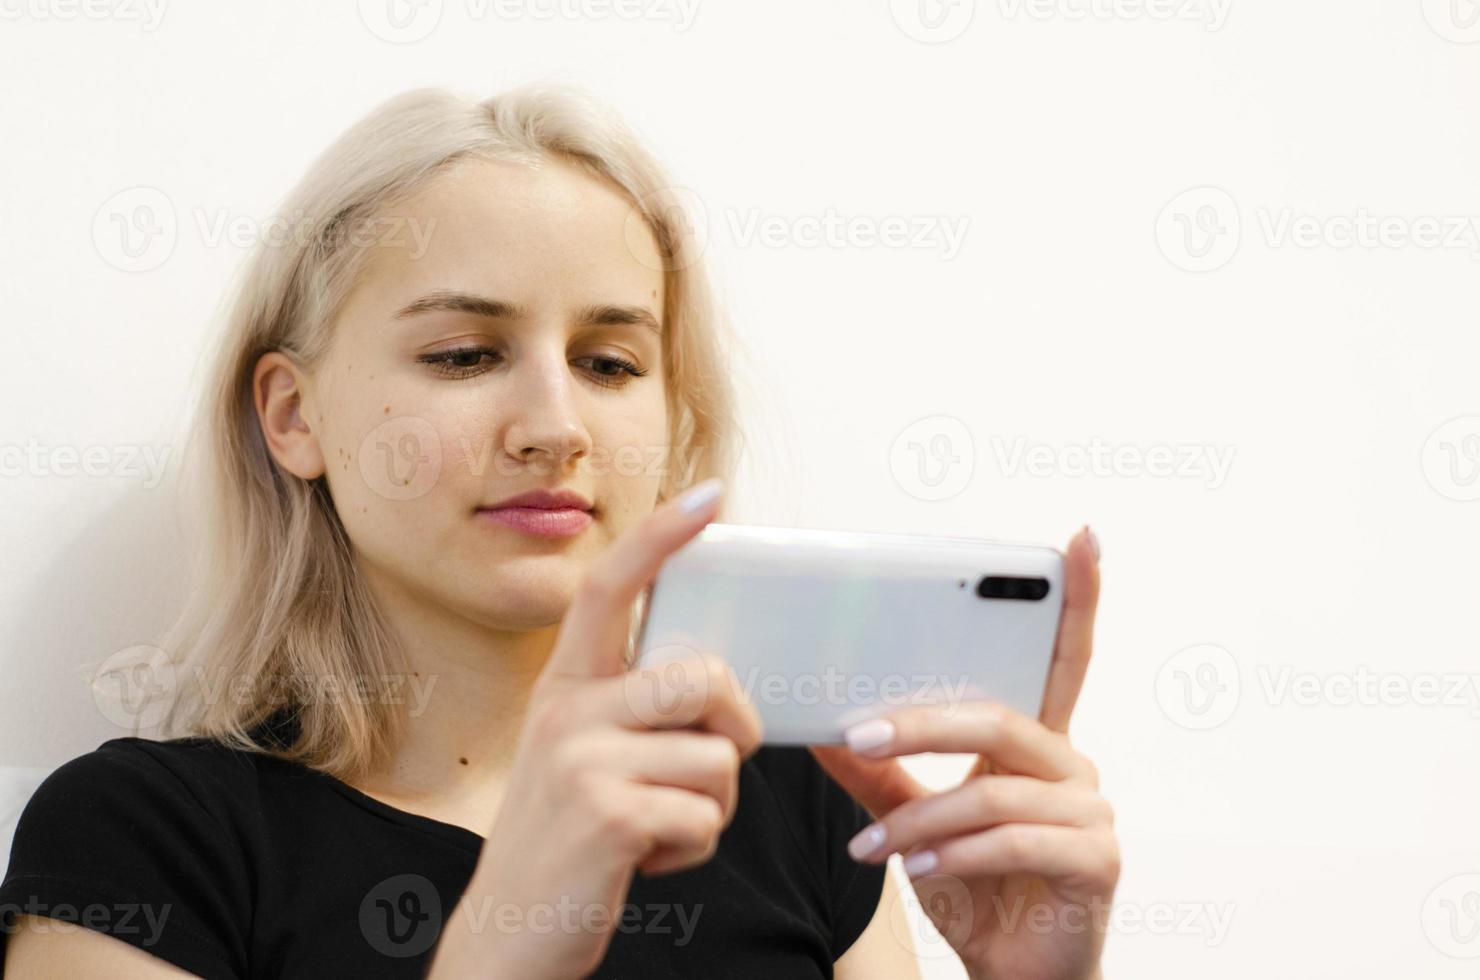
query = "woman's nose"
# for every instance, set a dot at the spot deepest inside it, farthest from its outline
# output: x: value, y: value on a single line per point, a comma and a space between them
x: 543, y: 415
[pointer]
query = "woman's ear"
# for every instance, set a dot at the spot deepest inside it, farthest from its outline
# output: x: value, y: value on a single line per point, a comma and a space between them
x: 277, y: 392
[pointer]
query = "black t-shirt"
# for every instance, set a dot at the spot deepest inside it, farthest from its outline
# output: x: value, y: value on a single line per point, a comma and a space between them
x: 239, y: 864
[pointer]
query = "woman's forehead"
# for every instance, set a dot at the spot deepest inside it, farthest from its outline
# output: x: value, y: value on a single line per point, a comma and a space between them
x: 495, y: 198
x: 522, y: 229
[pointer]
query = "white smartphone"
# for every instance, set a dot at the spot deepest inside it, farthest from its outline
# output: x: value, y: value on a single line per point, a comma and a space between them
x: 825, y: 629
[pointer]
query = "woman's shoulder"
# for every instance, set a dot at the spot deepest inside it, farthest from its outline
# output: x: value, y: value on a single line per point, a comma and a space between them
x: 217, y: 776
x: 186, y: 755
x: 163, y: 829
x: 194, y: 789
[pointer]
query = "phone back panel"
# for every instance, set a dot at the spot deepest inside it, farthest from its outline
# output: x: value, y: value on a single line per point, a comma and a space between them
x: 828, y: 628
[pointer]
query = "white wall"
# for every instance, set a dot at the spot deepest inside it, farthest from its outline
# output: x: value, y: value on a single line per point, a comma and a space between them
x: 1155, y: 254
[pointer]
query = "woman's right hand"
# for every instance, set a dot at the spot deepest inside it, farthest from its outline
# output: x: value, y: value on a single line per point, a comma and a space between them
x: 615, y: 771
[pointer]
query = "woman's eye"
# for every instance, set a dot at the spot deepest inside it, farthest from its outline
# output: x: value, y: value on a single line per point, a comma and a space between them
x: 465, y: 362
x: 459, y: 362
x: 613, y: 372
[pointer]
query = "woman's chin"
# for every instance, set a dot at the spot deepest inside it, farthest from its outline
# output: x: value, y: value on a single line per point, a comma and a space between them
x: 526, y: 602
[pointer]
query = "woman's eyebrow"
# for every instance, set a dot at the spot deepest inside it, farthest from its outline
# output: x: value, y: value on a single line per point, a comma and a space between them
x: 603, y: 314
x: 606, y: 315
x: 456, y: 302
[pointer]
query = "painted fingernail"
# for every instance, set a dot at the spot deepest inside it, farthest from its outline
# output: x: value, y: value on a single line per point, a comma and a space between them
x: 700, y: 494
x: 867, y: 841
x: 921, y: 862
x: 868, y: 735
x: 1094, y: 541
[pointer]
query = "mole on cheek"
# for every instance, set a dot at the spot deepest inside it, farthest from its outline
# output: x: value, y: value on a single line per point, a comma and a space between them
x: 387, y: 410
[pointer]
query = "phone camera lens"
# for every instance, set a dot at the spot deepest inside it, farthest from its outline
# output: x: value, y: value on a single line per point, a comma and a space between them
x: 1012, y: 587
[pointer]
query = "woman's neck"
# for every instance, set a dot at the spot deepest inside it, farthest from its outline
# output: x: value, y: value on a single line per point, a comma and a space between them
x: 465, y: 700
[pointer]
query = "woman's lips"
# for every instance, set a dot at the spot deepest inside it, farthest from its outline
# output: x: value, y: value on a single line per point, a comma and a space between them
x: 562, y: 522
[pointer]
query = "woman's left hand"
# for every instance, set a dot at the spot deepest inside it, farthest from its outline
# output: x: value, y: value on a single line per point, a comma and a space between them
x: 1016, y: 867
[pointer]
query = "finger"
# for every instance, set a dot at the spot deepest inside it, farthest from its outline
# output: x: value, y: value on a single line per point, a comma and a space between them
x: 1076, y: 631
x: 1009, y: 738
x: 978, y: 804
x: 683, y: 828
x: 594, y: 632
x: 696, y: 761
x: 697, y: 691
x: 880, y: 785
x: 1087, y: 859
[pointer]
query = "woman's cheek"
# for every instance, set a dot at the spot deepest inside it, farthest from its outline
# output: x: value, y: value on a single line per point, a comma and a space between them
x: 401, y: 458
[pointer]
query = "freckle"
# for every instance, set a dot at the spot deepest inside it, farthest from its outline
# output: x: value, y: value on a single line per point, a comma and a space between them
x: 462, y: 760
x: 372, y: 377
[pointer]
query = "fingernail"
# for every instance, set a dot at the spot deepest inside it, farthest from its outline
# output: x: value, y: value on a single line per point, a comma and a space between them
x: 1094, y: 541
x: 921, y: 862
x: 866, y: 841
x: 701, y: 494
x: 872, y: 734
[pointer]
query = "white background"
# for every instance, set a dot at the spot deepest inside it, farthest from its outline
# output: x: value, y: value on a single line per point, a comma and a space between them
x: 1241, y: 231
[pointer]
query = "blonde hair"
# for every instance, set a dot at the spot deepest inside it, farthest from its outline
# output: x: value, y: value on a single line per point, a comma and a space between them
x: 278, y: 602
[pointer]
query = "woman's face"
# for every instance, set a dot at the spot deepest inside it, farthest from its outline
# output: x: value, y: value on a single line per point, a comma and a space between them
x: 503, y: 358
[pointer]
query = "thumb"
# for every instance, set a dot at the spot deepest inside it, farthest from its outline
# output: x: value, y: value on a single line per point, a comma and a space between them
x: 879, y: 784
x: 594, y: 632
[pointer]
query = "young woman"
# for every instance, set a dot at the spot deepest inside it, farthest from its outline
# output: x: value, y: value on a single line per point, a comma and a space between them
x: 459, y: 418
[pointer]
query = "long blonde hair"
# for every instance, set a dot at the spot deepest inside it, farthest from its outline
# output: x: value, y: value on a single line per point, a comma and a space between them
x: 277, y: 600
